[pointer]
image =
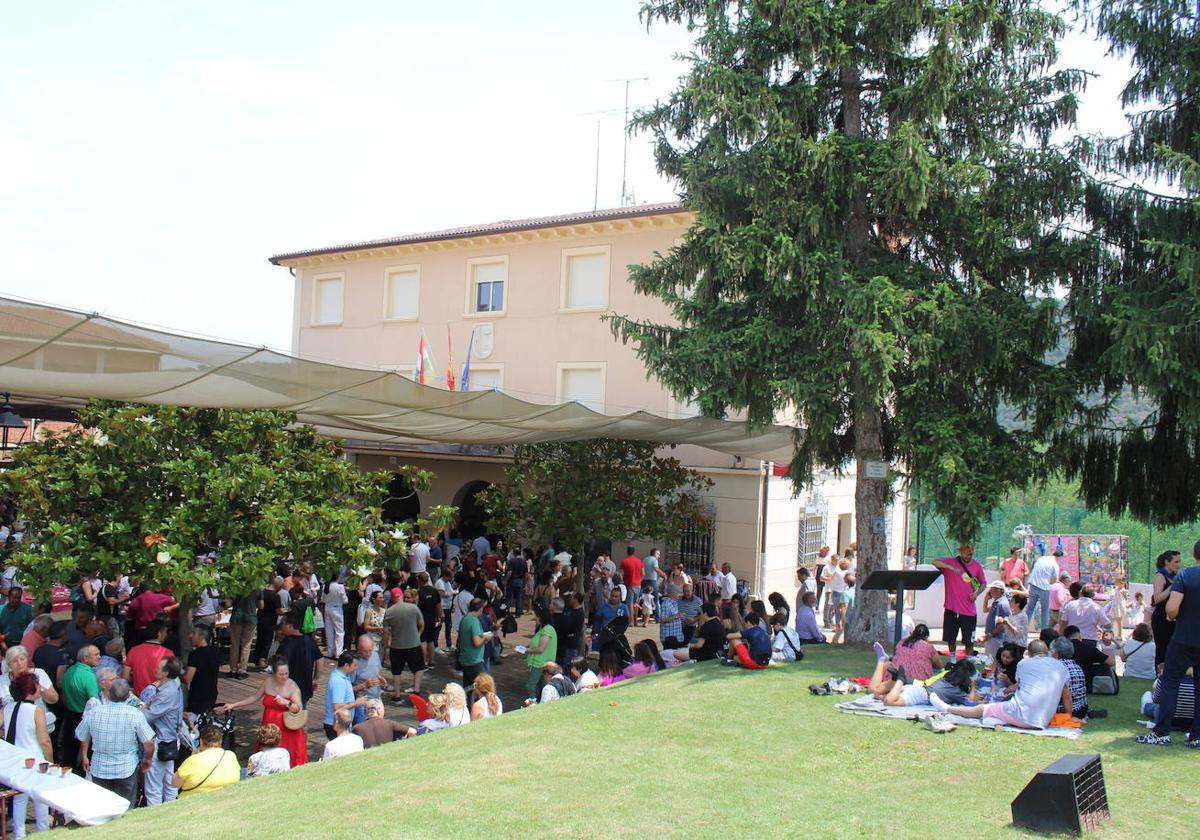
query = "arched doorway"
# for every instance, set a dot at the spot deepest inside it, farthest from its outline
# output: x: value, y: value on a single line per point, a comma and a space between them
x: 402, y: 504
x: 472, y: 518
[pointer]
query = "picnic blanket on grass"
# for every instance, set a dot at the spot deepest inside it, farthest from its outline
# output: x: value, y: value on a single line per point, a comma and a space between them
x: 875, y: 708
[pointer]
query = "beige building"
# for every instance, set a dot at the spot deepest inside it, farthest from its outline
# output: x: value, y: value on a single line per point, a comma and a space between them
x: 527, y: 296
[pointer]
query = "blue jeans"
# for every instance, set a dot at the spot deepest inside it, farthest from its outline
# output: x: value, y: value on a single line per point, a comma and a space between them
x: 513, y: 594
x: 1179, y: 658
x: 1039, y: 596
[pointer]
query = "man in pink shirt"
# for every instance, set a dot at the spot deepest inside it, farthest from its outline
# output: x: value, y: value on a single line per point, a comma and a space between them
x: 1060, y: 593
x: 1013, y: 567
x: 963, y: 579
x: 1084, y: 613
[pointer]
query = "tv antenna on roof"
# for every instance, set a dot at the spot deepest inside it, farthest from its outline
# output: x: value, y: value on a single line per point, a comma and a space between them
x: 626, y: 195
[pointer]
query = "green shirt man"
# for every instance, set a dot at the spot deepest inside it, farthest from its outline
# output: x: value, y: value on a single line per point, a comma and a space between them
x: 80, y: 685
x: 468, y: 652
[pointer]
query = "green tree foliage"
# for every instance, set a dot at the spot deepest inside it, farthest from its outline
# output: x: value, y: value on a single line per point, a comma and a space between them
x: 878, y: 231
x: 148, y: 490
x: 1136, y: 320
x: 567, y: 493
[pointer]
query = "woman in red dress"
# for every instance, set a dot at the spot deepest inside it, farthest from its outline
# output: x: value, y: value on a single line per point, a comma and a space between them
x: 279, y: 694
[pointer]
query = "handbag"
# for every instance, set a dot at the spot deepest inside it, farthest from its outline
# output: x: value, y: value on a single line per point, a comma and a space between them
x: 167, y: 751
x: 1106, y: 683
x: 295, y: 720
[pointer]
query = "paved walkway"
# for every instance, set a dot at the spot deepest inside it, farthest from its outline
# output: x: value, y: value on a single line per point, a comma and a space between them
x: 510, y: 674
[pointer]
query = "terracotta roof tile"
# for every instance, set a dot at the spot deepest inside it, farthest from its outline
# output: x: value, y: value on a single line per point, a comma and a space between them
x: 503, y: 226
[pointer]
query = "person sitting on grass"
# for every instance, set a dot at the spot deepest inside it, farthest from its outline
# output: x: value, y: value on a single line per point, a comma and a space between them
x: 585, y: 678
x: 1062, y: 650
x: 1041, y: 687
x: 210, y: 768
x: 646, y: 660
x: 806, y: 621
x: 709, y: 640
x: 270, y: 758
x: 913, y: 658
x: 344, y: 741
x: 439, y: 715
x: 555, y: 684
x: 749, y: 647
x: 785, y: 645
x: 956, y: 686
x: 610, y: 667
x: 1007, y: 659
x: 674, y: 652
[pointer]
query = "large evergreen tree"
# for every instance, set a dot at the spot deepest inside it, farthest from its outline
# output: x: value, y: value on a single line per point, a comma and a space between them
x: 1136, y: 319
x: 879, y: 210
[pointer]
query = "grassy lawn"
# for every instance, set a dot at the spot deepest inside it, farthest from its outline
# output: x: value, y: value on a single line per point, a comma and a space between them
x: 703, y: 751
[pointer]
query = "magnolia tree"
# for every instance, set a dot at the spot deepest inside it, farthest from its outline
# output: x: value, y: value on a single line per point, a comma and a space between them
x: 193, y: 498
x: 570, y: 492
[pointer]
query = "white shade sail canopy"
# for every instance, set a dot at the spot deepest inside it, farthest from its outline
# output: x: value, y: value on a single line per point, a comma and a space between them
x: 63, y: 357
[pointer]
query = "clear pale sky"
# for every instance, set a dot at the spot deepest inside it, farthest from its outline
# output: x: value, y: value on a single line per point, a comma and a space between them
x: 154, y: 154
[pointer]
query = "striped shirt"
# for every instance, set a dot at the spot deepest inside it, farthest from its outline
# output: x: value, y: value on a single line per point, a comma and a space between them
x: 689, y: 608
x: 1077, y: 682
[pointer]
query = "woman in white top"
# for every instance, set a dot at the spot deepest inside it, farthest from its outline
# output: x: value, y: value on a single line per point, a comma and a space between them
x: 487, y: 703
x: 456, y: 705
x: 25, y: 728
x: 335, y: 618
x: 271, y: 758
x: 16, y: 661
x: 1138, y: 654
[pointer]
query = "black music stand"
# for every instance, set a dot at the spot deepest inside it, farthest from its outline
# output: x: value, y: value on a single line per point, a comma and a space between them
x: 898, y: 581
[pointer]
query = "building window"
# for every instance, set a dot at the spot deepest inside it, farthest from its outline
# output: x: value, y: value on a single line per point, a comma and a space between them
x: 327, y: 300
x: 486, y: 379
x: 402, y: 292
x: 695, y: 547
x: 585, y: 278
x: 486, y: 288
x: 583, y: 384
x: 812, y: 538
x: 682, y: 409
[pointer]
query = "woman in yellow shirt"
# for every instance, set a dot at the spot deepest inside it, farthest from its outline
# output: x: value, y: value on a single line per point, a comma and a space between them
x: 210, y: 768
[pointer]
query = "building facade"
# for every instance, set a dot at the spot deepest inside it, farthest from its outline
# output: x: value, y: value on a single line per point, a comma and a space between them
x: 527, y: 297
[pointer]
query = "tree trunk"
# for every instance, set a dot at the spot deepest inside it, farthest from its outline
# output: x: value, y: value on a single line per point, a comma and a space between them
x: 870, y: 495
x: 870, y: 504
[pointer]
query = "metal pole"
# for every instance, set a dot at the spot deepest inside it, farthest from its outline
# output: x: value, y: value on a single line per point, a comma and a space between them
x: 596, y: 191
x: 899, y: 609
x: 625, y: 144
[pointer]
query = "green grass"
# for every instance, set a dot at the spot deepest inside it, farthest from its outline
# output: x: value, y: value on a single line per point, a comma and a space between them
x: 703, y: 751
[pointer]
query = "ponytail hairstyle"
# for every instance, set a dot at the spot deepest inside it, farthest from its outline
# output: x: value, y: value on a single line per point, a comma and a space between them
x: 919, y: 634
x: 485, y: 687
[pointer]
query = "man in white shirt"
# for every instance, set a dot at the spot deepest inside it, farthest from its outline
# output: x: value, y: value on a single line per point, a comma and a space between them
x: 418, y: 557
x: 1084, y: 613
x: 727, y: 583
x: 1041, y: 689
x: 1042, y: 576
x: 345, y: 742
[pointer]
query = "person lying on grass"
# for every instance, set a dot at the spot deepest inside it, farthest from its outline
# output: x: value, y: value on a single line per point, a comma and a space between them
x: 894, y: 689
x: 1041, y: 687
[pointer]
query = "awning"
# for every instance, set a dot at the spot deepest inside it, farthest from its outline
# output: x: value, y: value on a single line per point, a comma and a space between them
x: 63, y: 357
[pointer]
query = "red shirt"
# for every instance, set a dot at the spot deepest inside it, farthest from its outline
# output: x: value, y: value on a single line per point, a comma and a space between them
x: 143, y: 662
x: 632, y: 570
x: 144, y: 607
x: 31, y: 641
x: 491, y: 562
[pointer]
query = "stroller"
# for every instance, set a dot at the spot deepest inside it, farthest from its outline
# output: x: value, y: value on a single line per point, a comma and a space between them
x: 612, y: 635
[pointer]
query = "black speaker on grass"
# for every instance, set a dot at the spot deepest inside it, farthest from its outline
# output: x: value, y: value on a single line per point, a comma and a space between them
x: 1068, y: 796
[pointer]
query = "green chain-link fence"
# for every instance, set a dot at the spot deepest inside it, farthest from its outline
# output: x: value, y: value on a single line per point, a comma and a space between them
x: 995, y: 538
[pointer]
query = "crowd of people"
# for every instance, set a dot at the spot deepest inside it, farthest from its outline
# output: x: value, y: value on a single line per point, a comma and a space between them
x: 113, y: 692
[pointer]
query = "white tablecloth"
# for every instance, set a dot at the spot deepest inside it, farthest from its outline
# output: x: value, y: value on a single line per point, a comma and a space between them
x: 75, y: 797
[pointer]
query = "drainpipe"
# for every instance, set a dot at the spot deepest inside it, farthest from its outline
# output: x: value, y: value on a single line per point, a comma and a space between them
x: 760, y: 582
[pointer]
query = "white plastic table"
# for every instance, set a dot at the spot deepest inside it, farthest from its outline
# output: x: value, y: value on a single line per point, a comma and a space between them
x: 71, y: 795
